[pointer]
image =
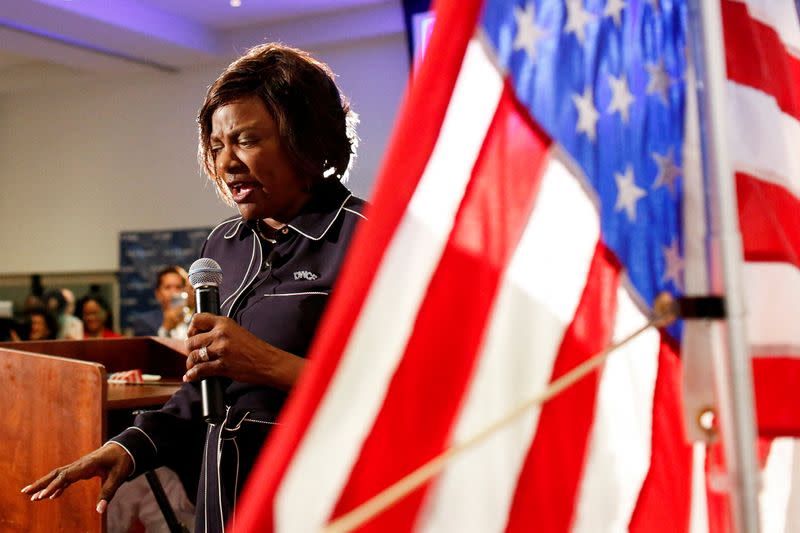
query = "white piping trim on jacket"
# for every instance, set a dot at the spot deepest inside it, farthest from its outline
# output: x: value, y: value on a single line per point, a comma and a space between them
x: 231, y: 233
x: 244, y: 282
x: 222, y: 224
x: 148, y: 438
x: 126, y: 451
x: 205, y: 481
x: 256, y: 421
x: 219, y: 473
x: 239, y: 424
x: 329, y: 225
x: 235, y: 482
x: 298, y: 293
x: 355, y: 213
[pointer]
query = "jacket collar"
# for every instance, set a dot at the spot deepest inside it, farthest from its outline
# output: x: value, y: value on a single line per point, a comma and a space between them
x: 319, y: 213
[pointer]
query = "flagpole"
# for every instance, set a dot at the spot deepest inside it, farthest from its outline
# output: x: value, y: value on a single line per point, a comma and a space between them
x: 732, y: 370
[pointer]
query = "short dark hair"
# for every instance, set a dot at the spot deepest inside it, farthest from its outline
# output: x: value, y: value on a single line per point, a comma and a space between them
x: 171, y: 269
x: 315, y: 123
x: 101, y: 302
x: 54, y: 299
x: 50, y: 320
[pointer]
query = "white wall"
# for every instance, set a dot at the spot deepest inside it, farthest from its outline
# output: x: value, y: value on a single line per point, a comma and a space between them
x: 79, y: 164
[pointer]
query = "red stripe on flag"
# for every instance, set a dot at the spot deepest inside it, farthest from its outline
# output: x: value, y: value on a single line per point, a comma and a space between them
x: 665, y: 499
x: 423, y: 397
x: 777, y: 380
x: 421, y: 116
x: 769, y: 217
x: 756, y: 57
x: 547, y: 487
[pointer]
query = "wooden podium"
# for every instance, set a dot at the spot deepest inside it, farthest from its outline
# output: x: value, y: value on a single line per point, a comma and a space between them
x: 56, y: 406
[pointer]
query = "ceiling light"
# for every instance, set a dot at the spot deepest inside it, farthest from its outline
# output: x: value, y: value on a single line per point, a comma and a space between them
x: 236, y: 3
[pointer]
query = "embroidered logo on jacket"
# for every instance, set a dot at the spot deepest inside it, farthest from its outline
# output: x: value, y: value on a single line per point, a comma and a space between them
x: 305, y: 274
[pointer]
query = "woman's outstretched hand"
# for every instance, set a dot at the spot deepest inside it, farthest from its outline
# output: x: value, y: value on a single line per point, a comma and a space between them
x: 110, y: 462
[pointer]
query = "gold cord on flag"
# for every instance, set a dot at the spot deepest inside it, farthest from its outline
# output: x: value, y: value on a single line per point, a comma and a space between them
x: 664, y: 313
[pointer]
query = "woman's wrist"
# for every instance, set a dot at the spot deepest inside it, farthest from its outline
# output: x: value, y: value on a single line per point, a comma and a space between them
x: 284, y: 369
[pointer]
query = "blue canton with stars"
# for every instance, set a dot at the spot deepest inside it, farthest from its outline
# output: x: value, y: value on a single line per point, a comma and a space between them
x: 605, y: 78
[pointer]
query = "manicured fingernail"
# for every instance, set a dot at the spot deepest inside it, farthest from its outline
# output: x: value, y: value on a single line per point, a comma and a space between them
x: 26, y: 489
x: 101, y: 506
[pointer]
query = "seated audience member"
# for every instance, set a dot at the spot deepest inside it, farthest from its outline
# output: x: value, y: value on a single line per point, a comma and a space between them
x: 171, y: 283
x: 40, y: 325
x: 96, y: 316
x: 69, y: 326
x: 69, y: 297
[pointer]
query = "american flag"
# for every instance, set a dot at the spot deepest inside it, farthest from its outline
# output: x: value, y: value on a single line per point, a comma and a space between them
x: 527, y: 214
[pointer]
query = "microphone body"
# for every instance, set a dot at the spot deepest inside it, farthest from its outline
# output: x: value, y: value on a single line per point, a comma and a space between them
x: 205, y: 275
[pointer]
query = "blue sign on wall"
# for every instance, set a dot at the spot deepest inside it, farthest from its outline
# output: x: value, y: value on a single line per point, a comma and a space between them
x: 142, y: 254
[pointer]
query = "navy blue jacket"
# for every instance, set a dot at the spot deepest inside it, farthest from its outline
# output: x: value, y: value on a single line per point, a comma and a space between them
x: 277, y: 291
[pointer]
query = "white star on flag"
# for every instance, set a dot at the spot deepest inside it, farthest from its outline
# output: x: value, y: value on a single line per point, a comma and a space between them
x: 667, y: 170
x: 627, y: 193
x: 659, y: 81
x: 577, y: 19
x: 674, y: 264
x: 614, y: 9
x: 587, y: 113
x: 621, y: 97
x: 528, y: 33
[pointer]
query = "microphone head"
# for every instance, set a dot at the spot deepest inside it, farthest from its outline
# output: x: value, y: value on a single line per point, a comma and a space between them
x: 205, y: 272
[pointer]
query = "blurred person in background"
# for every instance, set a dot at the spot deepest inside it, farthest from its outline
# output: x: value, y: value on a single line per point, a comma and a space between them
x: 96, y: 316
x: 69, y: 326
x: 69, y: 297
x: 40, y: 325
x: 32, y: 301
x: 179, y: 314
x: 172, y: 294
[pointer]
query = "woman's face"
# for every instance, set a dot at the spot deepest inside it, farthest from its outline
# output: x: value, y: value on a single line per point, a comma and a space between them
x: 39, y: 329
x: 249, y: 157
x: 93, y: 317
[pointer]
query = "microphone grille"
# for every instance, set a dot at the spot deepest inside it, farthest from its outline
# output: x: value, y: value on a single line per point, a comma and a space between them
x: 205, y: 271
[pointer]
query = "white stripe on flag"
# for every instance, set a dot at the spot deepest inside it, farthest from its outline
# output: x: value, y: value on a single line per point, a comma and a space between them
x: 618, y: 456
x: 776, y: 485
x: 771, y: 291
x: 377, y: 343
x: 698, y: 512
x: 763, y: 139
x: 529, y: 318
x: 781, y: 15
x: 793, y: 513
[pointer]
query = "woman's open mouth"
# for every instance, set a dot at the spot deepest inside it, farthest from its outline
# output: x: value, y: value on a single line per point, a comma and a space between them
x: 240, y: 191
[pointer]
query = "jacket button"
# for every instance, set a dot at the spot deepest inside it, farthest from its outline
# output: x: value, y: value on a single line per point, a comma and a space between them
x: 267, y: 265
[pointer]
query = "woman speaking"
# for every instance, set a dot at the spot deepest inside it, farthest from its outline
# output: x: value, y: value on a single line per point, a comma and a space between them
x: 276, y: 137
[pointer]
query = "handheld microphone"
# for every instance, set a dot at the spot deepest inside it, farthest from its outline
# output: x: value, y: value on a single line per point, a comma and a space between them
x: 205, y: 275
